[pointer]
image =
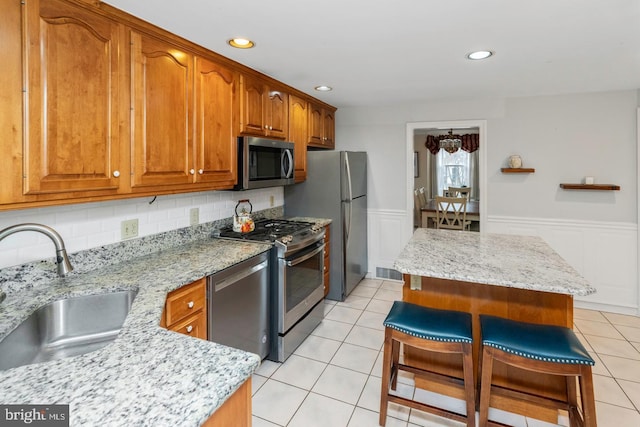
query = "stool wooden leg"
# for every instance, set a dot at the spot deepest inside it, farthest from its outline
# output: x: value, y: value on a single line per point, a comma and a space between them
x: 395, y: 355
x: 477, y: 384
x: 386, y: 373
x: 588, y: 398
x: 485, y: 385
x: 469, y: 386
x: 572, y: 400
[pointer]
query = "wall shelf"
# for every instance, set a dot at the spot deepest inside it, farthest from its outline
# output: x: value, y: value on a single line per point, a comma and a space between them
x: 605, y: 187
x: 518, y: 170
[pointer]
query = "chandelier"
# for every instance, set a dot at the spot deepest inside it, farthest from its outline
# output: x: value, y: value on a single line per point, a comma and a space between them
x: 450, y: 144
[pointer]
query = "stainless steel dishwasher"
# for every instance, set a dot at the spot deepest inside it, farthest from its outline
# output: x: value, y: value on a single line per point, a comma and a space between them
x: 238, y: 303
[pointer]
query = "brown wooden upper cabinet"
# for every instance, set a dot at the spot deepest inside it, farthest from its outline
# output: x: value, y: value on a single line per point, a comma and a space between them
x: 170, y: 88
x: 264, y: 109
x: 75, y: 139
x: 321, y: 126
x: 114, y: 106
x: 162, y: 91
x: 298, y: 134
x: 216, y: 98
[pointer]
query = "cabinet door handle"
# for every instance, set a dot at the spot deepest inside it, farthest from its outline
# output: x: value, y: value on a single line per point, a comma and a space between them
x: 189, y: 329
x: 190, y: 304
x: 116, y: 173
x: 192, y: 171
x: 200, y: 171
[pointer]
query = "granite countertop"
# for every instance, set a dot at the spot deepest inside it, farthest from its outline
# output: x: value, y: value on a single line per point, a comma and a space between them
x: 148, y: 375
x: 322, y: 222
x: 524, y: 262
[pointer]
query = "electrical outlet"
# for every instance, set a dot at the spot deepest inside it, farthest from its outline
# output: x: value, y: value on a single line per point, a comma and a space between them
x: 194, y: 216
x: 272, y: 200
x: 129, y: 228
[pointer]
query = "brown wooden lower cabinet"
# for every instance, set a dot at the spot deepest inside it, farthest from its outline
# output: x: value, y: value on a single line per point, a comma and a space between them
x: 185, y: 310
x: 236, y: 411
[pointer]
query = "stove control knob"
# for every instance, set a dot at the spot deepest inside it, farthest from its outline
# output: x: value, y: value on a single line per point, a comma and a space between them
x: 286, y: 239
x: 315, y: 228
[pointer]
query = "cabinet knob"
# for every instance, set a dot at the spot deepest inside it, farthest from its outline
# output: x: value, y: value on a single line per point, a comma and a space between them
x: 190, y: 304
x: 200, y: 171
x: 192, y: 171
x: 116, y: 173
x: 189, y: 329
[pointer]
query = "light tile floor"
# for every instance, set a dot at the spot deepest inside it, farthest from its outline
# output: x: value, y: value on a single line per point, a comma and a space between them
x: 333, y: 378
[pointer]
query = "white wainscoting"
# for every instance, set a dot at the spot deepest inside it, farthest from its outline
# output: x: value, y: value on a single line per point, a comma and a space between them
x: 385, y: 237
x: 605, y: 253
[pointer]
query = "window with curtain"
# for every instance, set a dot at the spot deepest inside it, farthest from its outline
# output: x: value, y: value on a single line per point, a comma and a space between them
x: 453, y: 170
x: 456, y: 169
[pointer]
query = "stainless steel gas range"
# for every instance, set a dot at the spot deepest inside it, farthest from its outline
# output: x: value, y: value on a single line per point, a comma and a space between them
x: 297, y: 280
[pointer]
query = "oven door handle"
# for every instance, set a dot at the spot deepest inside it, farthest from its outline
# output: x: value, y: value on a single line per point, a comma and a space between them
x: 305, y: 257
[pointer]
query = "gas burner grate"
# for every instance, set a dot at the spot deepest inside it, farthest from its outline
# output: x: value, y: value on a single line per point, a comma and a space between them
x: 268, y: 230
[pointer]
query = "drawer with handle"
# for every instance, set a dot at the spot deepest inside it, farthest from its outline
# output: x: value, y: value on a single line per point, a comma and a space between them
x: 185, y: 301
x: 194, y: 326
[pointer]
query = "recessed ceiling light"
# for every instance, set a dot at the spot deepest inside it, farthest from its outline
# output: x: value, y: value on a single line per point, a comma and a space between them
x: 481, y: 54
x: 323, y: 88
x: 241, y: 43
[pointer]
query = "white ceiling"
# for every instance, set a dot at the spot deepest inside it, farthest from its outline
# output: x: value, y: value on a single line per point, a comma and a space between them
x: 410, y: 51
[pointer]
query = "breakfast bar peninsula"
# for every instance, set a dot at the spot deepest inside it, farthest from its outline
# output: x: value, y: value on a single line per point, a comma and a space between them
x: 516, y: 277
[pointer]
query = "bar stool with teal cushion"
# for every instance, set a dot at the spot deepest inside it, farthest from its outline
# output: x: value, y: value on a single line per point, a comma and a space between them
x: 547, y: 349
x: 432, y: 330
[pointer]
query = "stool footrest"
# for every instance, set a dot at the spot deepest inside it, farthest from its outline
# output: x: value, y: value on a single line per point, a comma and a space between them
x: 428, y: 408
x: 432, y: 376
x: 544, y: 402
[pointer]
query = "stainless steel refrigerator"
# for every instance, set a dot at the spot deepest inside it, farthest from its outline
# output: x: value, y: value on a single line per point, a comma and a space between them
x: 336, y: 188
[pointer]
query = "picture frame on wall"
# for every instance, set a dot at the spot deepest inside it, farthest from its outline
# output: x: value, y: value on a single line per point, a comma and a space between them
x: 416, y: 165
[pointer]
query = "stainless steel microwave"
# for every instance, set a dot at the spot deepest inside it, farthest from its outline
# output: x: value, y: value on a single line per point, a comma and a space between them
x: 264, y: 163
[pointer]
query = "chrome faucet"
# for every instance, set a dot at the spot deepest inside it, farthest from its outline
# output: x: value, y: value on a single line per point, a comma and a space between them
x: 62, y: 259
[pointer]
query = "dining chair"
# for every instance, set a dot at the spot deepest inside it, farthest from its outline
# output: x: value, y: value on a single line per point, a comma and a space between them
x: 417, y: 209
x: 451, y: 213
x: 422, y: 195
x: 460, y: 192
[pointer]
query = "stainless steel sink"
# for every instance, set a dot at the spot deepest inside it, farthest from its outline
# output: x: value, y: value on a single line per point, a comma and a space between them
x: 67, y: 327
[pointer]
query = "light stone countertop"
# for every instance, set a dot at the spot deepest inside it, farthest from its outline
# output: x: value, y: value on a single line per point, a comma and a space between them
x: 149, y: 375
x: 322, y: 222
x: 524, y: 262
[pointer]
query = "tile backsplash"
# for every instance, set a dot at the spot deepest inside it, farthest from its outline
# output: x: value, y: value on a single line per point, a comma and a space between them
x: 89, y: 225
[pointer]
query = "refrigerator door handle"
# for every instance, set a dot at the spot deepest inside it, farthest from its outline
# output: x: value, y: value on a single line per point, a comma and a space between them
x: 348, y: 170
x: 347, y: 222
x: 347, y: 218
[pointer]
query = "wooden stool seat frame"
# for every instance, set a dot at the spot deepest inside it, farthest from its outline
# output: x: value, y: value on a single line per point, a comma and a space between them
x: 391, y: 368
x: 570, y: 370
